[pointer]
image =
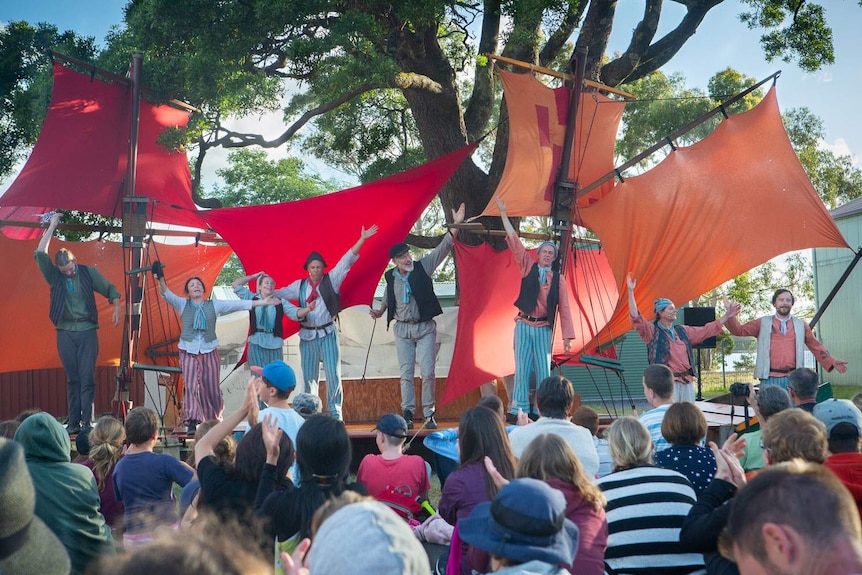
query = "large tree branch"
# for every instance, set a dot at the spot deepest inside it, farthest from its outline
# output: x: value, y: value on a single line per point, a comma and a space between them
x: 558, y: 38
x: 481, y: 104
x: 638, y: 61
x: 595, y: 34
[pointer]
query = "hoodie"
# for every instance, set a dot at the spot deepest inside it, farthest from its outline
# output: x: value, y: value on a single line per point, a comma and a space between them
x: 592, y: 530
x: 67, y: 499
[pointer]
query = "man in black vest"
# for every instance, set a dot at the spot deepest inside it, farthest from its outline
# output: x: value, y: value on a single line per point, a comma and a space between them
x: 318, y: 339
x: 73, y: 312
x: 410, y: 300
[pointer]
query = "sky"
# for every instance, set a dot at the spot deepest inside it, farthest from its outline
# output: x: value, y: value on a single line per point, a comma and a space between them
x: 830, y: 93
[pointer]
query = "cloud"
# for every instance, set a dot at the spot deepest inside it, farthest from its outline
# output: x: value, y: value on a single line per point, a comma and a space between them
x: 839, y: 147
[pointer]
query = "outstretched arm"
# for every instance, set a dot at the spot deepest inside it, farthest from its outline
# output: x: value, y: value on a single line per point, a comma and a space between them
x: 633, y: 305
x: 49, y: 233
x: 363, y: 235
x: 245, y: 279
x: 205, y: 446
x: 457, y: 218
x: 507, y: 225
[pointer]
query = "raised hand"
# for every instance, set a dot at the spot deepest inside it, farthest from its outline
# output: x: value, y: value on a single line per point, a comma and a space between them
x: 631, y: 282
x: 271, y: 433
x: 458, y: 215
x: 365, y: 234
x: 501, y: 205
x: 498, y: 479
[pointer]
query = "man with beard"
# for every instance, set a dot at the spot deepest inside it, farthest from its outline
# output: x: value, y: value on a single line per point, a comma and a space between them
x: 780, y: 341
x: 410, y: 300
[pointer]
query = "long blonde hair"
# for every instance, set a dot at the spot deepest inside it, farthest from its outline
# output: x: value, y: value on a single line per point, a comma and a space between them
x: 549, y: 457
x: 630, y: 443
x: 106, y: 447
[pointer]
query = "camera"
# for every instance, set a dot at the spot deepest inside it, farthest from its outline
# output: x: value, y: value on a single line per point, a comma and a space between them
x: 739, y: 389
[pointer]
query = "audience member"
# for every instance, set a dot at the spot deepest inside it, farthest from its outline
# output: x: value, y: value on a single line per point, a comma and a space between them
x: 106, y: 449
x: 8, y: 428
x: 224, y: 453
x: 229, y: 490
x: 684, y: 427
x: 658, y: 389
x: 143, y: 480
x: 550, y: 459
x: 555, y: 400
x: 843, y: 422
x: 857, y: 400
x: 794, y: 434
x: 802, y: 386
x: 795, y: 519
x: 771, y: 399
x: 67, y: 499
x: 524, y: 530
x: 641, y: 497
x: 306, y: 404
x: 588, y: 417
x: 480, y: 434
x: 82, y: 445
x: 393, y: 469
x: 323, y: 456
x: 29, y: 546
x: 27, y: 413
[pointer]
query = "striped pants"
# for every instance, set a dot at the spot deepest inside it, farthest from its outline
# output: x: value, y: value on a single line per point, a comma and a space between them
x: 323, y: 349
x: 261, y: 356
x: 202, y: 399
x: 779, y: 381
x: 532, y: 355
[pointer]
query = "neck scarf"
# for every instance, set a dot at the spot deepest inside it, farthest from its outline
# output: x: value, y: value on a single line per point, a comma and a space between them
x: 200, y: 322
x: 782, y: 324
x: 407, y: 291
x: 669, y: 330
x: 312, y: 291
x: 543, y: 275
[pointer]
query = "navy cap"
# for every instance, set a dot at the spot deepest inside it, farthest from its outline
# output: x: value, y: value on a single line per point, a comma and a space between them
x: 392, y: 424
x: 398, y: 250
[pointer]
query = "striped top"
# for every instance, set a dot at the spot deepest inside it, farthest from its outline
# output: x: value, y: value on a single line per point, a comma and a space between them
x: 652, y: 421
x: 645, y: 510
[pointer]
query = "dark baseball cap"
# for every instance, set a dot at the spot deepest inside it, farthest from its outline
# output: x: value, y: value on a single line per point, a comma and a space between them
x: 392, y: 424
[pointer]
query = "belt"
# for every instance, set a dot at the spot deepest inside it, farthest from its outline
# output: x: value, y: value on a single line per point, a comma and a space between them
x: 781, y: 370
x: 410, y: 321
x: 319, y: 327
x: 682, y: 373
x: 531, y: 318
x: 82, y: 319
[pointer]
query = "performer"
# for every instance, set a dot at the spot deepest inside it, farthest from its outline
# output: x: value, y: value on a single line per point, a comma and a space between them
x: 199, y: 359
x: 266, y: 328
x: 780, y: 341
x: 411, y: 301
x: 670, y: 344
x: 318, y: 339
x: 74, y: 315
x: 542, y: 294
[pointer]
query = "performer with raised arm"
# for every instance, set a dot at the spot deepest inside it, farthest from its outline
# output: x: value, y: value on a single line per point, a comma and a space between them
x: 73, y: 312
x: 670, y: 344
x: 318, y: 338
x: 542, y: 294
x: 199, y: 359
x: 411, y: 301
x: 781, y: 339
x: 266, y: 328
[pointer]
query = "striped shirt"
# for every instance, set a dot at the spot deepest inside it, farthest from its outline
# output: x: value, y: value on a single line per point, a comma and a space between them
x: 646, y: 507
x: 652, y: 421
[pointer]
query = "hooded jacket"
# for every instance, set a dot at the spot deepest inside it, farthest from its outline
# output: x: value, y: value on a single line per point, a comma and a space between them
x: 67, y: 499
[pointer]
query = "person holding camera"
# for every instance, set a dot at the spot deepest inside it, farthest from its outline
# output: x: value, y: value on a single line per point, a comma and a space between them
x: 670, y: 344
x: 780, y: 341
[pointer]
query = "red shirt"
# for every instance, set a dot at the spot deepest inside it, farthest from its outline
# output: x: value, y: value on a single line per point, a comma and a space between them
x: 782, y: 348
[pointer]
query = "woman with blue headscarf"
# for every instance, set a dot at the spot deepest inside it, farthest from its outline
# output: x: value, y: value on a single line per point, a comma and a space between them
x: 670, y: 344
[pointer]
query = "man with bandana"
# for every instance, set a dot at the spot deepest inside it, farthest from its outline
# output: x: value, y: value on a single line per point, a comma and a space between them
x: 670, y: 344
x: 318, y: 295
x: 73, y: 312
x: 542, y: 294
x: 781, y: 339
x: 410, y: 300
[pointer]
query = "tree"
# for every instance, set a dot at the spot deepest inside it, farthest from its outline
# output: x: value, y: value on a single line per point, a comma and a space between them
x: 236, y: 57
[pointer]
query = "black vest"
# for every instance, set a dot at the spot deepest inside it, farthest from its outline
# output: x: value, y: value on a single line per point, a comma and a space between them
x: 423, y: 292
x: 277, y: 328
x: 331, y: 298
x: 58, y: 296
x: 528, y: 297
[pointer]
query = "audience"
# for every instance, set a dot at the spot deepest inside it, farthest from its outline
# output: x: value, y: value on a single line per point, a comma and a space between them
x: 524, y: 530
x: 393, y: 469
x: 224, y: 453
x: 480, y: 434
x: 67, y: 499
x: 802, y: 386
x: 550, y: 459
x: 306, y: 404
x: 143, y: 480
x: 106, y: 449
x: 646, y: 506
x: 771, y: 399
x: 684, y: 427
x: 8, y: 428
x: 588, y: 418
x: 658, y: 389
x: 795, y: 519
x: 555, y: 400
x: 794, y: 434
x: 843, y: 422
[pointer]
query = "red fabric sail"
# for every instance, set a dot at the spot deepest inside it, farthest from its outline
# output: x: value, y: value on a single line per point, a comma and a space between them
x: 489, y: 283
x: 278, y: 238
x: 709, y: 212
x: 79, y: 161
x: 537, y: 125
x: 27, y: 335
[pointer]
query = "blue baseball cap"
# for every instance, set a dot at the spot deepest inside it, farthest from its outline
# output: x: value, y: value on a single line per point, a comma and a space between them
x: 392, y: 424
x: 278, y: 374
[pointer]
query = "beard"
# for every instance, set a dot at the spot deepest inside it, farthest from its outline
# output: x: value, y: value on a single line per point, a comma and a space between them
x: 407, y: 267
